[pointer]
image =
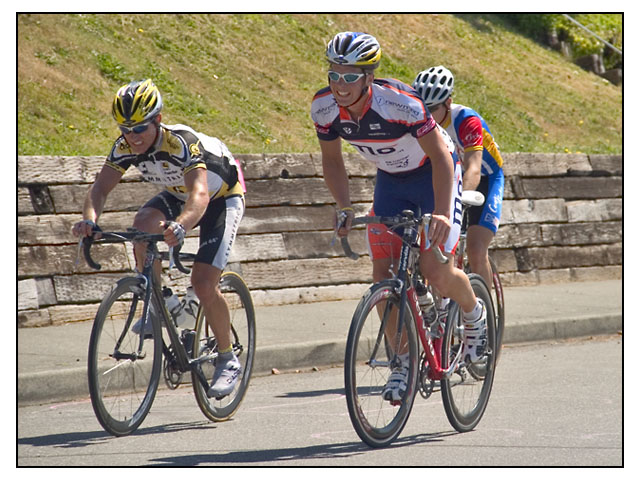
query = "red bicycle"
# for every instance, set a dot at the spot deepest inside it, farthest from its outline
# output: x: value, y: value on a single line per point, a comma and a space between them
x: 387, y: 323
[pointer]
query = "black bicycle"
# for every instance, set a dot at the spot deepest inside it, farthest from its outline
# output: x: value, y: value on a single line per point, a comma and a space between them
x: 125, y: 367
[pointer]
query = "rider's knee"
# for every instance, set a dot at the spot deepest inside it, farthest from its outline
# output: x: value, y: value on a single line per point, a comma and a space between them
x: 438, y: 278
x: 382, y: 270
x: 147, y: 220
x: 205, y: 283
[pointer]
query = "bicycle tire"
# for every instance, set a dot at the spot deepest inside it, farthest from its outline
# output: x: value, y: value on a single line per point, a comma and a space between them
x: 376, y: 421
x: 465, y: 394
x: 243, y: 328
x: 122, y: 390
x: 498, y: 297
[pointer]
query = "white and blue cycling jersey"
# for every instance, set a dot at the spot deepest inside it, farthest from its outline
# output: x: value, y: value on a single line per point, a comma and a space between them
x: 394, y: 117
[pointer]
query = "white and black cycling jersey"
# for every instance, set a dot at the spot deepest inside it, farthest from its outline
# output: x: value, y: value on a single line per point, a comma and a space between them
x: 178, y: 149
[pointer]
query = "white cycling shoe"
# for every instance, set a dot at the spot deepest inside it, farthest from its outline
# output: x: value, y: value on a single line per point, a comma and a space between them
x: 475, y: 337
x: 148, y: 328
x: 225, y: 377
x: 396, y: 386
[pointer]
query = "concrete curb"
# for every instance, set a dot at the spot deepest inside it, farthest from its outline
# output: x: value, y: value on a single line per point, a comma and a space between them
x: 71, y: 383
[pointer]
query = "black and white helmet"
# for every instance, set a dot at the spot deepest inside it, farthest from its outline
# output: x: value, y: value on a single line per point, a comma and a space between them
x: 354, y: 48
x: 434, y: 85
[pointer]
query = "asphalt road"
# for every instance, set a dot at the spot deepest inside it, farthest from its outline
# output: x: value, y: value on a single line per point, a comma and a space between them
x: 553, y: 404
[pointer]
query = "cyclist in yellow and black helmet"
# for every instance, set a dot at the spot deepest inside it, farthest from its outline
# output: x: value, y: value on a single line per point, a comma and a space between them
x: 204, y: 187
x: 136, y: 103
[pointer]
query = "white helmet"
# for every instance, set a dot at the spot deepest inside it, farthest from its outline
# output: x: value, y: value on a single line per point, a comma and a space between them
x: 354, y: 48
x: 434, y: 85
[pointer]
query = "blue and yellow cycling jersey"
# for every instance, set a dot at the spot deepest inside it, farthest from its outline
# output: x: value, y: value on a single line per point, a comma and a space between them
x: 178, y: 150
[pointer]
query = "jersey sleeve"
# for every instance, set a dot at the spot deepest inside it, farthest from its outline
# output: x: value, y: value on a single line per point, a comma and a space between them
x: 121, y: 157
x: 323, y: 113
x: 470, y: 134
x: 423, y: 127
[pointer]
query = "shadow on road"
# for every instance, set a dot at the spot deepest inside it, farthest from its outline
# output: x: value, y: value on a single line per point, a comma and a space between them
x: 83, y: 439
x: 325, y: 451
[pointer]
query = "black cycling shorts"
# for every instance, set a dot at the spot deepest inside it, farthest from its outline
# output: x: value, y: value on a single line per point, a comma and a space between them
x: 218, y: 226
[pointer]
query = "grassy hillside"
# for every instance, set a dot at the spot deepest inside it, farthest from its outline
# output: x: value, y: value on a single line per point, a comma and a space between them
x: 249, y: 79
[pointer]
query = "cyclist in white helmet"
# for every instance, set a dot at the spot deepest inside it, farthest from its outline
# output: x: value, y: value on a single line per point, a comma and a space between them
x: 481, y: 159
x: 387, y: 123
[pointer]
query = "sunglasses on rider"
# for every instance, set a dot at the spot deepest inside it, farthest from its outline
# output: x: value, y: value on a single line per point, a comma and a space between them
x: 140, y: 128
x: 347, y: 77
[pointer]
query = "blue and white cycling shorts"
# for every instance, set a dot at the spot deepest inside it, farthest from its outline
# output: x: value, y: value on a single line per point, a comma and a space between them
x: 413, y: 191
x: 488, y: 215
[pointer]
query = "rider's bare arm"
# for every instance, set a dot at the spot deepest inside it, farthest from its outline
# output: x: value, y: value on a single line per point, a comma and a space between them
x: 442, y: 167
x: 472, y: 169
x: 336, y: 178
x: 195, y: 206
x: 96, y: 197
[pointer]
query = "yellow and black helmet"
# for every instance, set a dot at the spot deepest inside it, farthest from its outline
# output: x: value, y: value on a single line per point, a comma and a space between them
x: 137, y: 102
x: 354, y: 48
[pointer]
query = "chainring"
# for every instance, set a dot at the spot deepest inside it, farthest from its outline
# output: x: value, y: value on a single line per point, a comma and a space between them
x: 172, y: 375
x: 425, y: 384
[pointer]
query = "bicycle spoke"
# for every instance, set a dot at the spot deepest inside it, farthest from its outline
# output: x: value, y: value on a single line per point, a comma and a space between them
x: 242, y: 318
x: 465, y: 394
x: 368, y: 366
x: 122, y: 378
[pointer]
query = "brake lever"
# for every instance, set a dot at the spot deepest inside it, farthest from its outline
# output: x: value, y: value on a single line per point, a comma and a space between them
x: 341, y: 220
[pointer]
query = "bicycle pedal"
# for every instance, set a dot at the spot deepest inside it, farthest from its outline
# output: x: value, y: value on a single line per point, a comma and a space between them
x: 395, y: 403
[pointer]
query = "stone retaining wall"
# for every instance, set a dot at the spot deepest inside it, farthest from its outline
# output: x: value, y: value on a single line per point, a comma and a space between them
x: 562, y: 221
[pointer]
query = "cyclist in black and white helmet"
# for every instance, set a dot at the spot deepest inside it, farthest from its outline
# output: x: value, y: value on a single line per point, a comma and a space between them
x: 387, y: 122
x: 481, y: 161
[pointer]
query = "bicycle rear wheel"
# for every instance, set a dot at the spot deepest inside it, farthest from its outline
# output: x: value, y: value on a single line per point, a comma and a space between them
x: 123, y: 378
x: 367, y: 367
x: 498, y: 298
x: 243, y: 339
x: 465, y: 394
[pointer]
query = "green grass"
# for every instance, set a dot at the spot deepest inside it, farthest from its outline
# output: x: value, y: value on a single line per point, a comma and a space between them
x: 249, y: 79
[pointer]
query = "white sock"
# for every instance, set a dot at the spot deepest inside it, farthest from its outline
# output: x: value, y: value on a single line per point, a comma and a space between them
x: 474, y: 315
x: 443, y: 303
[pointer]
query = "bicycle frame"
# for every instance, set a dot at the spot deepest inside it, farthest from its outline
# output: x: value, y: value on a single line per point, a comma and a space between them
x: 405, y: 288
x: 152, y: 292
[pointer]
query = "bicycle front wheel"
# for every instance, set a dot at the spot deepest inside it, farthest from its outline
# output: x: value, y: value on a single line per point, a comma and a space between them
x: 372, y: 341
x: 243, y: 339
x: 465, y: 394
x: 123, y: 373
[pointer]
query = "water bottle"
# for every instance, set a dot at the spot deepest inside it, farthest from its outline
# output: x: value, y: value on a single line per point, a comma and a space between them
x: 189, y: 309
x: 425, y: 299
x: 173, y: 305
